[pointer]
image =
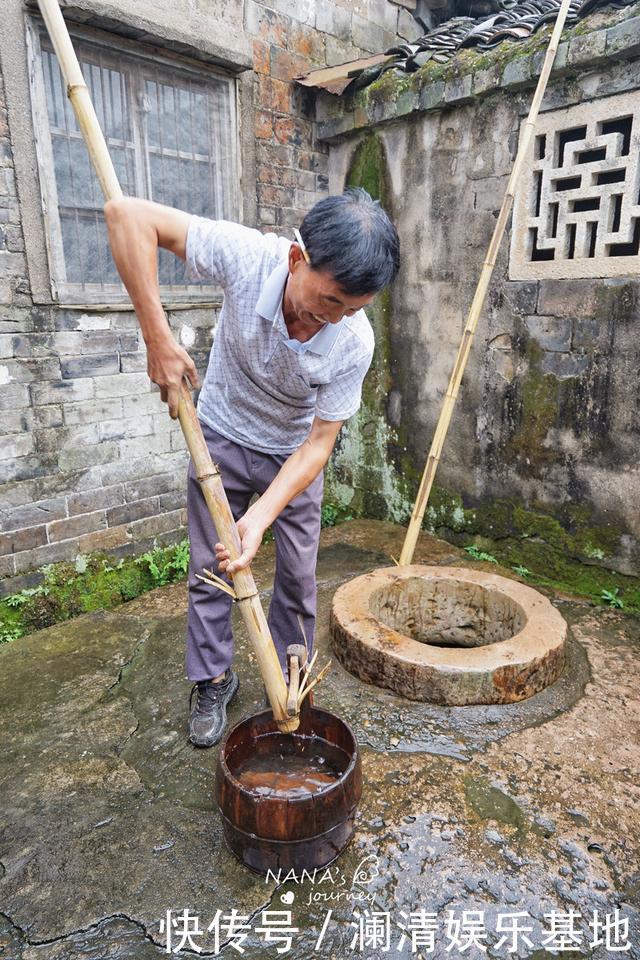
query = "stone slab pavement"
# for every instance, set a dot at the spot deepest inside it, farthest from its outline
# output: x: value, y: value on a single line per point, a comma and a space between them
x: 469, y: 815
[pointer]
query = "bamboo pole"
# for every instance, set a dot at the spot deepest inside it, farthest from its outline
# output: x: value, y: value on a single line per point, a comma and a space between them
x: 206, y: 471
x: 411, y: 538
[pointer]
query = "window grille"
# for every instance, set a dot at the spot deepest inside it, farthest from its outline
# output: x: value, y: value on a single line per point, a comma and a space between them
x: 577, y: 209
x: 171, y: 132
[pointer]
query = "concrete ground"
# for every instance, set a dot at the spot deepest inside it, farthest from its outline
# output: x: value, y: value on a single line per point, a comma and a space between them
x: 471, y: 814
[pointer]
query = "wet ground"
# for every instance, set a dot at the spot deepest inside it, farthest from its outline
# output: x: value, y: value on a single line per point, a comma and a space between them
x: 483, y: 831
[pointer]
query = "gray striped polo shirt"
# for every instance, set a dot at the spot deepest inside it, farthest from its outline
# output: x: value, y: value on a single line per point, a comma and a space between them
x: 262, y: 389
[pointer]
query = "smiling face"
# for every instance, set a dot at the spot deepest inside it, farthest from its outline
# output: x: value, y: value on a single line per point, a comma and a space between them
x: 313, y: 298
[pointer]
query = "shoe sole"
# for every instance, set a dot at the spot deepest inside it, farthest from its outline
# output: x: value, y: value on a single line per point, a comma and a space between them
x: 211, y: 743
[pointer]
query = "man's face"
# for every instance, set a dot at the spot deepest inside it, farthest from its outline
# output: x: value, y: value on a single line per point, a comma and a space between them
x: 315, y: 296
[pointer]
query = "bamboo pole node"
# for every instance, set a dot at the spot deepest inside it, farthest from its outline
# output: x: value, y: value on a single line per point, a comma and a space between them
x: 247, y: 596
x: 209, y: 476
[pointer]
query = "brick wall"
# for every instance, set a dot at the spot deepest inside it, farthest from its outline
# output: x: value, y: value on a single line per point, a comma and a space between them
x: 289, y: 39
x: 89, y: 459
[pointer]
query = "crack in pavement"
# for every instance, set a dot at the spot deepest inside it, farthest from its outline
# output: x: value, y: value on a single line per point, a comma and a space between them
x: 73, y: 933
x: 136, y: 650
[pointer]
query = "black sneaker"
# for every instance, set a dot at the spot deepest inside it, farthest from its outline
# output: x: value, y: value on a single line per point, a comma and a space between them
x: 209, y: 716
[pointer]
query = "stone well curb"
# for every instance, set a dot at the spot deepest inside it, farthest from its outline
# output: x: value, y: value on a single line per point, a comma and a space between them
x: 501, y: 672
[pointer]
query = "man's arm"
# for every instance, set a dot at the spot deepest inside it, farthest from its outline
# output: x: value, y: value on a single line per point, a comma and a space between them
x: 136, y: 229
x: 294, y: 476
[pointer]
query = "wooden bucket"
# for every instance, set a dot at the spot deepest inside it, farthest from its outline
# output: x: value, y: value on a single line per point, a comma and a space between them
x: 289, y: 832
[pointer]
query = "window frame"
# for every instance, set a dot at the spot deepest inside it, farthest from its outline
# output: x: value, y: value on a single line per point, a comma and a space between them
x: 80, y: 295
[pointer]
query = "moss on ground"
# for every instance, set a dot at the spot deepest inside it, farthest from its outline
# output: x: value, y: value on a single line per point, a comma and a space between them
x: 91, y: 583
x: 99, y: 582
x: 566, y: 551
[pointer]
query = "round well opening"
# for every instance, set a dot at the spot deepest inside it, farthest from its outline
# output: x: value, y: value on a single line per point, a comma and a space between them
x: 447, y: 613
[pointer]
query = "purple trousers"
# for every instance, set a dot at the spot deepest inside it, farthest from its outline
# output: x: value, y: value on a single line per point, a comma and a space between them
x: 297, y: 531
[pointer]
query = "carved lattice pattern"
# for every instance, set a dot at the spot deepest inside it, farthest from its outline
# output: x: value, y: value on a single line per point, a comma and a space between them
x: 577, y: 209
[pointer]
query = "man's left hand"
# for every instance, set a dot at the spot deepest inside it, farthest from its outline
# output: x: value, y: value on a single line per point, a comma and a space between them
x: 251, y: 532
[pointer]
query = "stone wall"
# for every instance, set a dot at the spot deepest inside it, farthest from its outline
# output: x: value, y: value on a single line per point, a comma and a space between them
x: 89, y: 460
x: 546, y: 436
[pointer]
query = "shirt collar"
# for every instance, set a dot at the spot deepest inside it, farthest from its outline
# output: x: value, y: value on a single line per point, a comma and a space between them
x: 269, y: 306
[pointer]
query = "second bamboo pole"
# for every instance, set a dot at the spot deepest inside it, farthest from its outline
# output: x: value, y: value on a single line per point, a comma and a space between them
x: 433, y: 459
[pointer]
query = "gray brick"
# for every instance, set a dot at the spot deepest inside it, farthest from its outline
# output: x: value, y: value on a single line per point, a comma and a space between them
x: 563, y: 366
x: 408, y: 27
x: 559, y: 62
x: 97, y: 365
x: 7, y: 569
x: 587, y: 48
x: 14, y: 396
x: 152, y: 486
x: 124, y: 470
x: 301, y: 10
x: 121, y: 429
x: 520, y: 296
x: 566, y: 298
x: 22, y: 468
x: 178, y: 441
x: 76, y: 526
x: 61, y: 391
x: 129, y: 342
x: 334, y: 20
x: 50, y: 553
x: 624, y: 38
x: 92, y: 411
x: 53, y: 441
x: 32, y: 514
x: 99, y: 342
x: 16, y: 445
x: 133, y: 510
x: 145, y: 403
x: 47, y: 344
x: 12, y: 265
x: 586, y: 331
x: 152, y: 526
x: 174, y: 500
x: 89, y: 456
x: 102, y: 499
x: 101, y: 540
x: 431, y: 95
x: 125, y: 322
x: 122, y: 385
x: 552, y: 333
x: 139, y: 447
x: 367, y: 35
x: 133, y: 362
x: 458, y: 88
x: 16, y: 421
x: 25, y: 539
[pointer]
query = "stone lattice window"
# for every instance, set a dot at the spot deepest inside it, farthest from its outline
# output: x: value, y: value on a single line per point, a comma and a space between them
x: 171, y: 131
x: 577, y: 208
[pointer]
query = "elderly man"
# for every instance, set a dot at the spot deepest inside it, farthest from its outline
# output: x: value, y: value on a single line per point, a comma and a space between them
x: 291, y: 350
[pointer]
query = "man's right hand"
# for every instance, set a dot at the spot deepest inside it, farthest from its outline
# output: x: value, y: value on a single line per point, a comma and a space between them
x: 167, y: 365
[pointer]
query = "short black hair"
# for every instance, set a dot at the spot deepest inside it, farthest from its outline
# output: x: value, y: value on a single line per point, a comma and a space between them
x: 351, y: 237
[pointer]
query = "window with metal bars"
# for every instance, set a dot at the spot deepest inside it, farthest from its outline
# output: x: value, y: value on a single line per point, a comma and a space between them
x: 171, y: 131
